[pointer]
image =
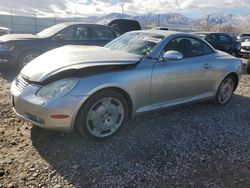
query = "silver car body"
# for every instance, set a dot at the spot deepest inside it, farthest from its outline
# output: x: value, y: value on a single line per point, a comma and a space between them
x: 147, y: 82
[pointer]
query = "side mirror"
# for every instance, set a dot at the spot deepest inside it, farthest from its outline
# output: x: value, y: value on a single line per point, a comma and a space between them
x: 172, y: 55
x: 59, y: 37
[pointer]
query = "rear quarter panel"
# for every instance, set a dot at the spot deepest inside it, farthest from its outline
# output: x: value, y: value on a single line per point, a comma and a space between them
x: 222, y: 65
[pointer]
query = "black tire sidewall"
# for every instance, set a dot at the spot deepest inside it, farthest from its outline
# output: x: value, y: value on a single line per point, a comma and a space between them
x: 248, y: 66
x: 84, y: 110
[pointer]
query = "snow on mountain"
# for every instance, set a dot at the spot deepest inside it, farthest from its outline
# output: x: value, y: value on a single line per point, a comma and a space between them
x: 151, y: 20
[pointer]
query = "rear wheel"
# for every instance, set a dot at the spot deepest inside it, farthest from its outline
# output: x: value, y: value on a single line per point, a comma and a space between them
x: 27, y: 57
x: 225, y: 90
x: 102, y: 115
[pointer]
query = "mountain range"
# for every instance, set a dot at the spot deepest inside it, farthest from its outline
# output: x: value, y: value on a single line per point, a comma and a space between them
x: 176, y: 19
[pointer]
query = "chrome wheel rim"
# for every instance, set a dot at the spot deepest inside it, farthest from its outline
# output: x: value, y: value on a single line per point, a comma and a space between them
x: 29, y: 58
x: 226, y: 90
x: 105, y: 117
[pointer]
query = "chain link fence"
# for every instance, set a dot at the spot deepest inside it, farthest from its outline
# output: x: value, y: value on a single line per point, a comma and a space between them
x: 30, y: 23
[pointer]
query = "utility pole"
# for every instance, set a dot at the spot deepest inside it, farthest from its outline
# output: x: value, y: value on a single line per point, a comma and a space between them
x: 208, y: 17
x: 220, y: 24
x: 159, y: 20
x: 122, y: 9
x: 12, y: 21
x: 35, y: 24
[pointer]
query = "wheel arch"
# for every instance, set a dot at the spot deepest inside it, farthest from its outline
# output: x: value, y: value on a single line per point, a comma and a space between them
x: 114, y: 88
x: 236, y: 79
x: 28, y: 50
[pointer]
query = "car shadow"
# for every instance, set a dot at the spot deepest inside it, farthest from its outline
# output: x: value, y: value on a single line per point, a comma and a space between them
x: 157, y: 144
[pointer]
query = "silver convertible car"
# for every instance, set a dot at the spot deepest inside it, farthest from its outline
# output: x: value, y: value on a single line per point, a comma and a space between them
x: 96, y: 89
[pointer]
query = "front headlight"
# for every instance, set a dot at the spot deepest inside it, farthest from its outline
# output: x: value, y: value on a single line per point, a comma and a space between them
x: 6, y: 48
x: 58, y: 88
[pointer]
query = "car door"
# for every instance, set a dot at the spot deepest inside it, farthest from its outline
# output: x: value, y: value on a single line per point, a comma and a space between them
x: 177, y: 80
x: 102, y: 35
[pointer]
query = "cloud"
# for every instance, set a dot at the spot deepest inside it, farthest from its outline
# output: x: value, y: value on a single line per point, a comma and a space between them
x: 99, y: 7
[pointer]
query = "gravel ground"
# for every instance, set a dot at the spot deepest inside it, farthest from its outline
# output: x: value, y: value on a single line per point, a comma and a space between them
x: 201, y: 145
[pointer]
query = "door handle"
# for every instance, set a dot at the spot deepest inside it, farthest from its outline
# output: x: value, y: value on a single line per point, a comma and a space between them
x: 206, y: 66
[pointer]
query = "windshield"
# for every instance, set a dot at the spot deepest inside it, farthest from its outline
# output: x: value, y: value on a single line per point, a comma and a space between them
x: 136, y: 43
x: 48, y: 32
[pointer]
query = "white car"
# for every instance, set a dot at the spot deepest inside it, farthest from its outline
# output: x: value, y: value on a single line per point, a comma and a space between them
x: 245, y: 48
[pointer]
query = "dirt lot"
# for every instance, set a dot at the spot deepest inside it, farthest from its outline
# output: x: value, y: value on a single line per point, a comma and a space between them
x: 201, y: 145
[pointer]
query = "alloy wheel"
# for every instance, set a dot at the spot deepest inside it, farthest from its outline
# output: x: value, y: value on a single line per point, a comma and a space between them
x: 105, y: 117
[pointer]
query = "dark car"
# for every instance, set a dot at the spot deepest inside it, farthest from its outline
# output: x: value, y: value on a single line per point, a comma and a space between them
x: 125, y: 25
x: 248, y: 66
x: 19, y: 49
x: 223, y: 42
x: 160, y: 28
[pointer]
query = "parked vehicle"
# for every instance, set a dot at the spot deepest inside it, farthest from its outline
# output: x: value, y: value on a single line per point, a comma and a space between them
x: 160, y: 28
x: 5, y: 31
x: 245, y: 48
x: 17, y: 50
x: 248, y: 66
x: 96, y: 89
x: 243, y: 37
x: 223, y: 42
x: 125, y: 25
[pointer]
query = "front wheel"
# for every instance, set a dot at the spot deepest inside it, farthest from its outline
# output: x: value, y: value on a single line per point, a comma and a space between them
x: 102, y: 115
x: 225, y: 91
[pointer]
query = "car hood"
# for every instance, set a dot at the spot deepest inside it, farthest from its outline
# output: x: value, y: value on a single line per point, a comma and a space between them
x: 75, y: 58
x: 12, y: 37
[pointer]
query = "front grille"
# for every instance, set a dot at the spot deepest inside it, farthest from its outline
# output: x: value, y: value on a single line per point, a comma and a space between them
x: 21, y: 83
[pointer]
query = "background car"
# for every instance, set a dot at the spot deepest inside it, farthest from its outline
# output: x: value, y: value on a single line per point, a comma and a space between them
x: 125, y: 25
x: 223, y: 42
x: 244, y: 36
x: 5, y: 31
x: 17, y: 50
x: 160, y: 28
x: 245, y: 48
x: 96, y: 89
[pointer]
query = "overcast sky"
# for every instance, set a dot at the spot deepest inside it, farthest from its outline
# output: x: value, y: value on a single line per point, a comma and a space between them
x: 190, y: 8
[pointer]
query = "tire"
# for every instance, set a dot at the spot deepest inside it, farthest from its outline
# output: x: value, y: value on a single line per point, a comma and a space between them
x: 248, y: 66
x: 26, y: 57
x: 102, y: 115
x: 225, y: 91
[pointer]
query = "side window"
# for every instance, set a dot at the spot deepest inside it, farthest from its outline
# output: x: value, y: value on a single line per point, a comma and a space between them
x: 189, y: 47
x: 213, y: 38
x: 224, y: 38
x: 67, y: 34
x: 102, y: 33
x: 76, y: 33
x: 82, y: 33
